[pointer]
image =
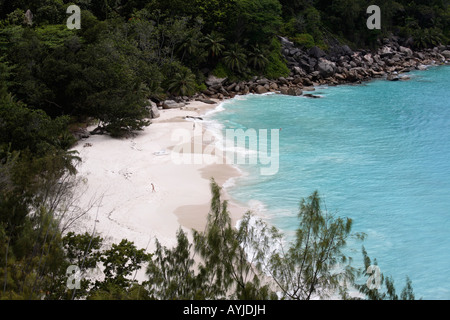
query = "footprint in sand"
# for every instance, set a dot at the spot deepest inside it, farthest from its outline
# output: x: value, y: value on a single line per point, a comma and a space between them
x: 133, y: 146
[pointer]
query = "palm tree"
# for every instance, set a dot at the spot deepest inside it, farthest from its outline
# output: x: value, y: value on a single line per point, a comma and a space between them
x: 235, y: 58
x: 214, y: 43
x: 257, y: 57
x: 189, y: 46
x: 183, y: 83
x: 425, y: 38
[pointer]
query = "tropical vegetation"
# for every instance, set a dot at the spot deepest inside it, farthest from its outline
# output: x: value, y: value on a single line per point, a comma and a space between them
x: 54, y: 80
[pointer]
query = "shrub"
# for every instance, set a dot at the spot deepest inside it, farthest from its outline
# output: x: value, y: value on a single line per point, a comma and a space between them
x: 304, y: 40
x: 201, y: 87
x: 277, y: 66
x: 221, y: 71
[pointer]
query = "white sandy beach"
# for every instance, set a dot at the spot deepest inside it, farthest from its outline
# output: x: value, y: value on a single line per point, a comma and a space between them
x: 118, y: 174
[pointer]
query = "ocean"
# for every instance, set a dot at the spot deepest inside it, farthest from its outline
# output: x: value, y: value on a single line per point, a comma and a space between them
x: 378, y: 153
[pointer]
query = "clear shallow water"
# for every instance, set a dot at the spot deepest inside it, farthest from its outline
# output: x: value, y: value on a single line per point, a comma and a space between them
x: 378, y: 153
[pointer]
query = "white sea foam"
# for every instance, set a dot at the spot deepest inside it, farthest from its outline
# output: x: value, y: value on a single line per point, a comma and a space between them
x: 220, y: 142
x: 257, y: 207
x: 218, y: 108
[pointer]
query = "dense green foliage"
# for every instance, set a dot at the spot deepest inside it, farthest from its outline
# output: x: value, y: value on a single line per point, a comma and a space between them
x: 125, y: 53
x: 129, y: 51
x: 346, y: 20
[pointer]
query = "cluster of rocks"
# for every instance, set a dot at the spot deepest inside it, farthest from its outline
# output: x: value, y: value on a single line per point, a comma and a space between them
x: 221, y: 88
x: 81, y: 133
x: 314, y: 67
x: 342, y: 65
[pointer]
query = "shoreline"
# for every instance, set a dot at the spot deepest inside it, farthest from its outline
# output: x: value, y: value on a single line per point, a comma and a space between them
x: 118, y: 174
x: 176, y: 203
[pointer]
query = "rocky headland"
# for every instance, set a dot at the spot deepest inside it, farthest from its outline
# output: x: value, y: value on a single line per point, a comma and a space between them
x: 313, y: 67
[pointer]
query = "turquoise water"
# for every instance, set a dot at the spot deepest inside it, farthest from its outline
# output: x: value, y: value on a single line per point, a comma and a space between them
x: 378, y: 153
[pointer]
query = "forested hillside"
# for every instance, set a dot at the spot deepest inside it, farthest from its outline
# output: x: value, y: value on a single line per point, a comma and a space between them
x: 129, y: 51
